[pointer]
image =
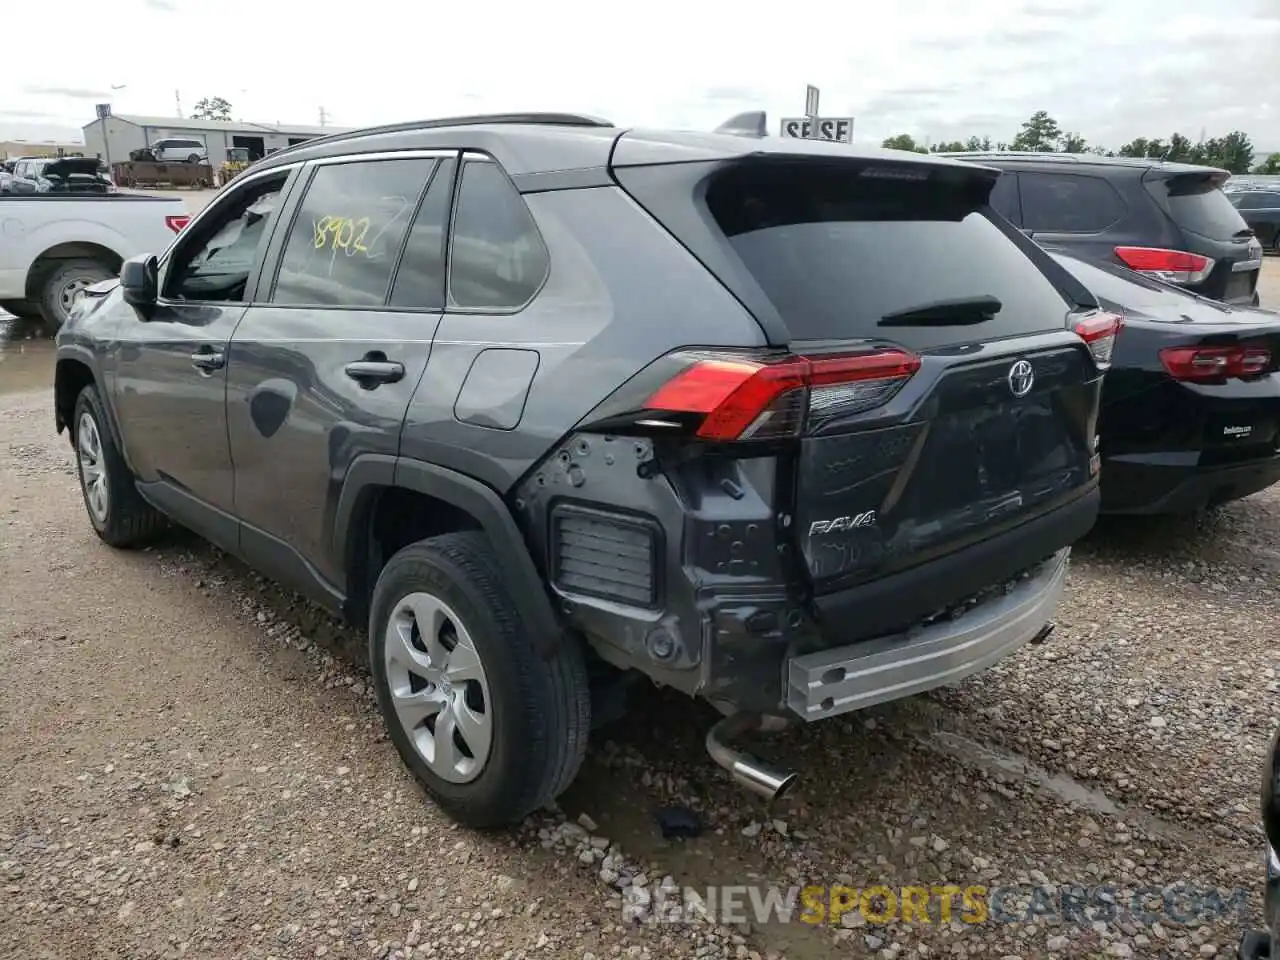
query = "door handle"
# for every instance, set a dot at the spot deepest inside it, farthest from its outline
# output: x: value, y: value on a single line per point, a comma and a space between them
x: 207, y: 359
x: 371, y: 373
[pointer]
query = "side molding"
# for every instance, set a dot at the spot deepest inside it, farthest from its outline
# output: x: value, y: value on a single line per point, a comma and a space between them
x: 520, y: 574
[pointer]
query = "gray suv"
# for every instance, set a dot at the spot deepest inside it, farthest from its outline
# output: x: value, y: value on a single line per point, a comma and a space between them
x: 545, y: 404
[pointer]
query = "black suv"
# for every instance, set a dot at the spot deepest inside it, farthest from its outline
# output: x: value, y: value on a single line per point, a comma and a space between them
x: 1170, y: 221
x: 545, y: 403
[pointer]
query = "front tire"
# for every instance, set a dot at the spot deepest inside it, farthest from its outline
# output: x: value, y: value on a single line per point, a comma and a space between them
x: 491, y: 729
x: 120, y: 517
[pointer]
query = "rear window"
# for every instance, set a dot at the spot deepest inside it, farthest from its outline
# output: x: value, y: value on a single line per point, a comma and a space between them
x: 1198, y: 204
x: 837, y: 254
x: 1118, y: 287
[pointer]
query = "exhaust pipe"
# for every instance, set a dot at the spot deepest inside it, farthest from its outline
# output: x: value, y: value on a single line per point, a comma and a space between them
x: 757, y: 776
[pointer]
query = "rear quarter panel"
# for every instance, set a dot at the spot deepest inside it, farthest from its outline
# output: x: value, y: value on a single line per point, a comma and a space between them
x: 620, y: 293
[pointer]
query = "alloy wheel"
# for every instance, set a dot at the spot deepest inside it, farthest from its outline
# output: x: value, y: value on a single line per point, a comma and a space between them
x: 438, y: 687
x: 93, y: 469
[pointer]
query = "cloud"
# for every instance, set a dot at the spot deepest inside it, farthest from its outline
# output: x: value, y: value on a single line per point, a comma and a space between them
x: 934, y: 68
x: 69, y: 93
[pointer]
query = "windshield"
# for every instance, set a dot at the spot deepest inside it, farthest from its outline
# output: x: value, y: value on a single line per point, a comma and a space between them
x: 836, y: 255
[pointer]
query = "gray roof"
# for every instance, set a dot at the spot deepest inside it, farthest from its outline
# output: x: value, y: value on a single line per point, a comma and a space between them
x: 228, y: 126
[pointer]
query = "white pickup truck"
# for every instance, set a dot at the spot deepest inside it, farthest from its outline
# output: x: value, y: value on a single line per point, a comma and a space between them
x: 52, y: 246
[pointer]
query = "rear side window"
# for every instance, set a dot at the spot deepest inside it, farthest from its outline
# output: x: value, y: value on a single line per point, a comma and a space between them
x: 1068, y: 203
x: 497, y: 259
x: 1197, y: 204
x: 347, y: 232
x: 836, y: 255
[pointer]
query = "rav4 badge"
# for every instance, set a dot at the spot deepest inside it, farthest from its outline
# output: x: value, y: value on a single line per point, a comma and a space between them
x: 838, y: 524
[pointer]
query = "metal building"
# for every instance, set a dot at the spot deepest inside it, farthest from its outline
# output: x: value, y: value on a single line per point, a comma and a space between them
x: 114, y: 136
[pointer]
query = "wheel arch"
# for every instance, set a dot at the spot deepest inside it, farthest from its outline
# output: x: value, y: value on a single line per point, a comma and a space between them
x: 73, y: 250
x: 373, y: 477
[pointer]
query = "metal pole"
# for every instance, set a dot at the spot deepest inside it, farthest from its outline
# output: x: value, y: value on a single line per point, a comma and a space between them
x: 106, y: 146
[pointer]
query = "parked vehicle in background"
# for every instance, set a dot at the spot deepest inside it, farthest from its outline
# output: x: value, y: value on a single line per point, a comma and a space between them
x: 1261, y: 211
x: 60, y: 175
x: 1191, y: 405
x: 791, y: 426
x: 1171, y: 221
x: 56, y: 245
x: 175, y: 150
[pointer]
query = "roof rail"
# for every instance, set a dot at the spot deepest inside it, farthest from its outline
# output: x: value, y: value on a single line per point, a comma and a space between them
x: 753, y: 123
x: 549, y: 119
x: 1049, y: 155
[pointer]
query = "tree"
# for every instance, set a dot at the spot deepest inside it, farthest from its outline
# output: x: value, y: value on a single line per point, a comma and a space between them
x: 903, y: 141
x: 1040, y: 132
x: 212, y: 108
x: 953, y: 146
x: 1270, y: 166
x: 1073, y: 143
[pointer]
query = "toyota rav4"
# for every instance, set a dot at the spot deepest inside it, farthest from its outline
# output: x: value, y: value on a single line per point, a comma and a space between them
x: 793, y: 427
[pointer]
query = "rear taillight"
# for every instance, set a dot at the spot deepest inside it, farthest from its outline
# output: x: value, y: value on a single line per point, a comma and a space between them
x: 1099, y: 332
x: 726, y: 397
x: 1215, y: 364
x: 1171, y: 266
x: 176, y: 222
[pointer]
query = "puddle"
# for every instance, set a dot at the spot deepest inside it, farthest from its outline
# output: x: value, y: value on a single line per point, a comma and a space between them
x: 26, y: 356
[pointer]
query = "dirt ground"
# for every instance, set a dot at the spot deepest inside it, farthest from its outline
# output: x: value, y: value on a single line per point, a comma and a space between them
x: 195, y: 767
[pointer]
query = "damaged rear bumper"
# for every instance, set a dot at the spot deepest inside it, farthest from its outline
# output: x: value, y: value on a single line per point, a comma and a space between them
x: 835, y: 681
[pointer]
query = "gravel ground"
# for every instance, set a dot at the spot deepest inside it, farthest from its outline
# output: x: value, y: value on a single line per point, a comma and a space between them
x: 211, y: 780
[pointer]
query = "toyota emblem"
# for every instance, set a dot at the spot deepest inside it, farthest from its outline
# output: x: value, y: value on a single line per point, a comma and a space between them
x: 1021, y: 378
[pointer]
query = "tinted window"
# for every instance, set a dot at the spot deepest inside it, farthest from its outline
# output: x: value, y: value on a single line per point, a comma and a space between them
x: 1197, y: 204
x: 1068, y: 203
x: 1004, y: 197
x: 497, y: 258
x: 1115, y: 286
x: 836, y: 254
x: 347, y: 232
x: 216, y: 262
x: 419, y: 279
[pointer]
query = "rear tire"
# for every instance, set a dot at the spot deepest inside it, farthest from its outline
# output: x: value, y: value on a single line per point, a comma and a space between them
x: 523, y: 719
x: 119, y: 515
x: 60, y: 285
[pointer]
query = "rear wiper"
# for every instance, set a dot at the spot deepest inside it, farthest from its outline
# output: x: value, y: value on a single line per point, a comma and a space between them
x: 960, y: 312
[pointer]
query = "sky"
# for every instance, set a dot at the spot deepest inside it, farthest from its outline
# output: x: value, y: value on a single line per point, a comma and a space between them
x: 937, y: 69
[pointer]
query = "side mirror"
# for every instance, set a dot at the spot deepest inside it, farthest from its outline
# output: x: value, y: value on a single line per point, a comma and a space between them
x: 138, y: 281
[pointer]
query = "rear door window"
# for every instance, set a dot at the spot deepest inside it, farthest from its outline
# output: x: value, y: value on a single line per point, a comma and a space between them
x: 347, y: 233
x: 1068, y: 203
x: 836, y: 255
x: 1197, y: 204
